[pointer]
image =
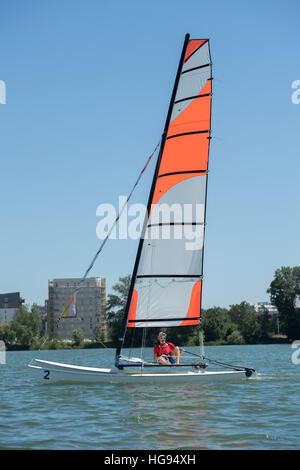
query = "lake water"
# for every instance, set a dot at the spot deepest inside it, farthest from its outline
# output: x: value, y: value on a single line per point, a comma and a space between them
x: 261, y: 413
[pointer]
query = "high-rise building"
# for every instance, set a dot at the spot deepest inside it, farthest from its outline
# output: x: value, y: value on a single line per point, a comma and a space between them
x: 9, y: 303
x: 90, y: 307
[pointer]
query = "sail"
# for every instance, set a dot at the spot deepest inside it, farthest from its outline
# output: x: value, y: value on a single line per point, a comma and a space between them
x: 167, y: 279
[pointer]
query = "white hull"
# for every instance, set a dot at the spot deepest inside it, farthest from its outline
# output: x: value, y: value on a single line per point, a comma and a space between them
x: 54, y: 372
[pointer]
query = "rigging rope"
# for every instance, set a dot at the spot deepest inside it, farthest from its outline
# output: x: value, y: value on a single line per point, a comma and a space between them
x: 222, y: 364
x: 110, y: 231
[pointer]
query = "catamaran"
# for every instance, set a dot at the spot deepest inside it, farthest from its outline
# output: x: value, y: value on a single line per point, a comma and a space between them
x: 166, y: 283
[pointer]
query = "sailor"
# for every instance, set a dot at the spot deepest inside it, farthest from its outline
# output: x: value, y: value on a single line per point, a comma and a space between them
x: 166, y: 353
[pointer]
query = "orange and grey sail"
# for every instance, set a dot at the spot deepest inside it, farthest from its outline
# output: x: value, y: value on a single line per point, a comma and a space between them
x: 166, y: 283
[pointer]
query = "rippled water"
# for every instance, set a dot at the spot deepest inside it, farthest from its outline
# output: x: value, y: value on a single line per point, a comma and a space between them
x: 261, y: 413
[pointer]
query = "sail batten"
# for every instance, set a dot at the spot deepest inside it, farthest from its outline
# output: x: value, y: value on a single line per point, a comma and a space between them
x: 166, y: 284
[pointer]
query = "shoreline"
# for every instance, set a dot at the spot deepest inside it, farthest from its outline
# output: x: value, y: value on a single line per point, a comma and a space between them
x: 60, y: 345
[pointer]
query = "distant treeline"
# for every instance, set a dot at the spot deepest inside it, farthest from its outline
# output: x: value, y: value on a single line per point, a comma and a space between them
x: 240, y: 324
x: 27, y: 331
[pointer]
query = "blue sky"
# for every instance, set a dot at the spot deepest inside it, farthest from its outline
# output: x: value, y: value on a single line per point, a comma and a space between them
x: 88, y: 85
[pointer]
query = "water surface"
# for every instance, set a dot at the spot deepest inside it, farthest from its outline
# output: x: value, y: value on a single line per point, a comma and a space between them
x: 261, y: 413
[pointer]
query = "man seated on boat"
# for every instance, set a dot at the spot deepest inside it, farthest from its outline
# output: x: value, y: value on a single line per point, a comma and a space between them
x: 166, y: 353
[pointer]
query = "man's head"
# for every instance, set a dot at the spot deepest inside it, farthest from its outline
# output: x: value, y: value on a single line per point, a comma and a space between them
x: 162, y: 337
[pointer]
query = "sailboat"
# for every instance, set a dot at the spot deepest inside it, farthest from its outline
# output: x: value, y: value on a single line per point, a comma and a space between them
x: 166, y: 283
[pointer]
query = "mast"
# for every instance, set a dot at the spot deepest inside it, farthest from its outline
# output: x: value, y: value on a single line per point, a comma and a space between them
x: 141, y: 242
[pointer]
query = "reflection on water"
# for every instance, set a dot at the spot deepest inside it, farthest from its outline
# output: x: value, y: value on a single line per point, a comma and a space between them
x: 170, y: 418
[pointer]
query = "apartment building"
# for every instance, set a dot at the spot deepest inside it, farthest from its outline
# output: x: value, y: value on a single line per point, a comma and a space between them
x: 9, y: 303
x: 90, y: 307
x: 261, y: 307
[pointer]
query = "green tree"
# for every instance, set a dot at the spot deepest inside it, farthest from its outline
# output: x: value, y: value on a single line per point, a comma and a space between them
x: 235, y: 338
x: 78, y: 336
x: 99, y: 334
x: 115, y: 306
x: 245, y: 317
x: 7, y: 334
x: 231, y: 327
x: 284, y: 290
x: 214, y: 323
x: 183, y: 336
x: 266, y: 325
x: 26, y: 325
